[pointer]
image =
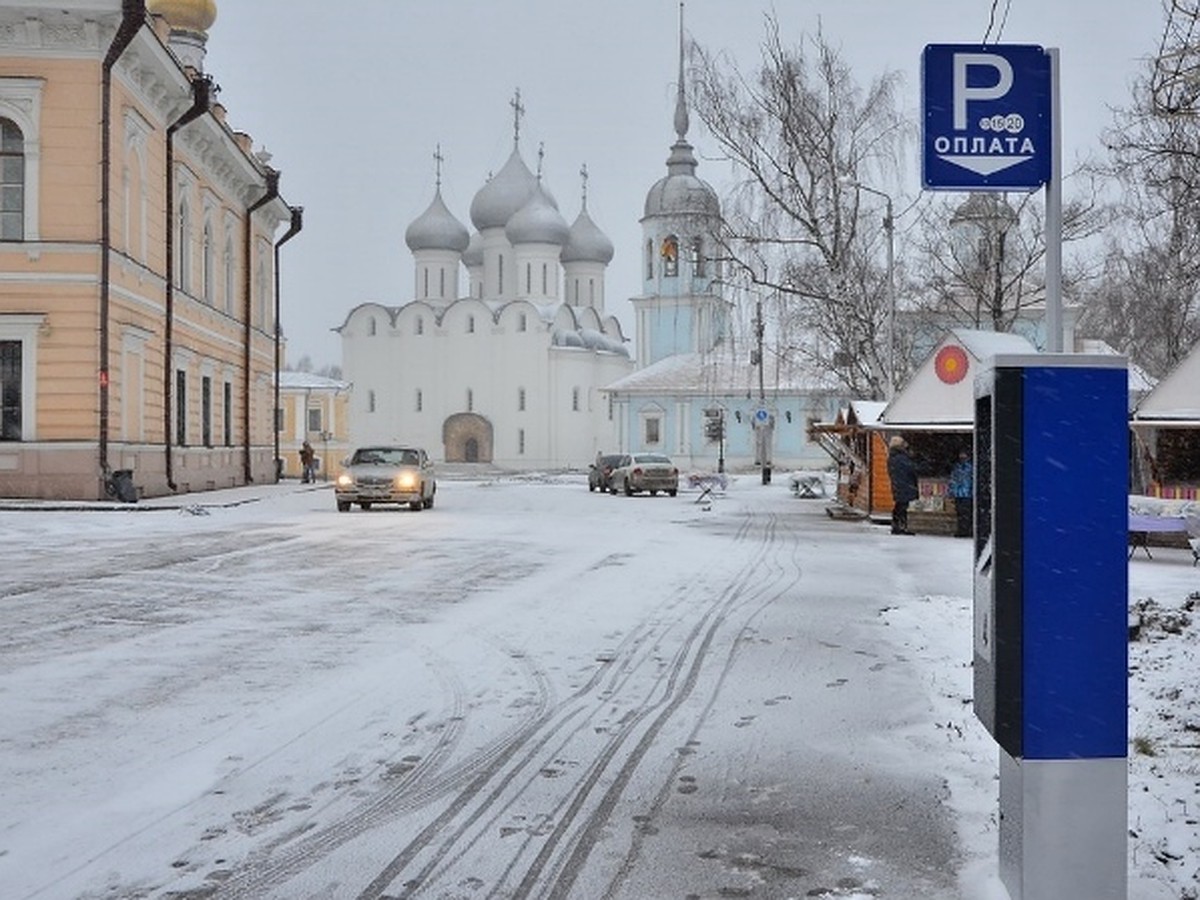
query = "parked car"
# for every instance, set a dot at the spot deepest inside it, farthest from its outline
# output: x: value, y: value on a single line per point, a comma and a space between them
x: 651, y: 472
x: 385, y: 474
x: 600, y: 472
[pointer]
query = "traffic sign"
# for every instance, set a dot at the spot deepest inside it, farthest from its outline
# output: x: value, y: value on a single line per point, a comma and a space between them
x: 986, y: 123
x: 761, y: 415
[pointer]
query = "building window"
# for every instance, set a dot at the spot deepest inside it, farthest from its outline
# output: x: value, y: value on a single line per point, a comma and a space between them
x: 670, y: 255
x: 371, y: 327
x: 470, y: 324
x: 649, y: 262
x: 279, y: 420
x: 575, y: 399
x: 228, y: 411
x: 545, y: 279
x: 653, y: 431
x: 528, y: 278
x: 12, y: 182
x: 425, y: 282
x: 441, y: 282
x: 470, y: 400
x: 697, y: 257
x: 521, y: 441
x: 181, y: 407
x: 230, y: 271
x: 10, y: 390
x: 206, y: 411
x: 522, y: 324
x: 420, y: 327
x: 183, y: 236
x: 500, y: 274
x: 591, y: 292
x: 314, y: 419
x: 420, y: 401
x: 370, y: 401
x: 576, y: 291
x: 610, y: 407
x: 207, y: 266
x: 521, y: 399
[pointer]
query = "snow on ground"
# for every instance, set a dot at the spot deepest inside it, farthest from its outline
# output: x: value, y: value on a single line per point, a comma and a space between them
x: 927, y: 611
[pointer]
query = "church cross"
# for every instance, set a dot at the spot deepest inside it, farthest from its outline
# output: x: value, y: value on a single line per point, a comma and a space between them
x: 518, y: 111
x: 438, y: 159
x: 583, y: 174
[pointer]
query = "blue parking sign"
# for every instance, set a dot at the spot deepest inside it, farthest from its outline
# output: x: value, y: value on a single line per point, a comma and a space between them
x: 986, y: 117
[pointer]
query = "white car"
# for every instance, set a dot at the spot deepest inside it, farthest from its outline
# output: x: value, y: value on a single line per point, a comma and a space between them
x: 385, y: 474
x: 651, y: 472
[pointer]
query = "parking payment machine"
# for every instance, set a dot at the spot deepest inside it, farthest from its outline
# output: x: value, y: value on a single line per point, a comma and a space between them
x: 1051, y: 624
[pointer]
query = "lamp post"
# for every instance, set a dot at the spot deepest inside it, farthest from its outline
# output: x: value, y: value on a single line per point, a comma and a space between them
x: 889, y: 227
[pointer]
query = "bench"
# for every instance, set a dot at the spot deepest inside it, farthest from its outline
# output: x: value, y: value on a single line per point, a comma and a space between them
x: 1141, y: 527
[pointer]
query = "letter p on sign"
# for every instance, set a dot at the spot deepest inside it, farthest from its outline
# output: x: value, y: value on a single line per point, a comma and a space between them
x: 964, y: 93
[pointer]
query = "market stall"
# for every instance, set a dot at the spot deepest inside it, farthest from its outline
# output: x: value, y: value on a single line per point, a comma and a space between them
x: 1166, y: 430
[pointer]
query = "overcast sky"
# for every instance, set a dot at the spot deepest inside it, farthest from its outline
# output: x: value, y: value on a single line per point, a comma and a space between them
x: 352, y: 99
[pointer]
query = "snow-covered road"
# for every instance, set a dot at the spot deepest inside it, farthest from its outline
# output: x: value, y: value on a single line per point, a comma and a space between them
x: 528, y: 691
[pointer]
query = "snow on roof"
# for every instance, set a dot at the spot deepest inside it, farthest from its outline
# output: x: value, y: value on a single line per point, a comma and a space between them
x: 720, y: 371
x: 1139, y: 381
x: 930, y: 399
x: 1177, y: 396
x: 867, y: 411
x: 300, y: 381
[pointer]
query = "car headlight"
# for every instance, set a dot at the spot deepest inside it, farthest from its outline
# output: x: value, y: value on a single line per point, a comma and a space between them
x: 406, y: 481
x: 345, y: 480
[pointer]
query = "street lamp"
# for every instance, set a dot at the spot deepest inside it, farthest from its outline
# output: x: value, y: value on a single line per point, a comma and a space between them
x: 889, y: 227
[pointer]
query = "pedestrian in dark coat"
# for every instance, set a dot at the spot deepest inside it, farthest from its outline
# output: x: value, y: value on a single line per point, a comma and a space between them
x: 902, y: 472
x: 308, y: 459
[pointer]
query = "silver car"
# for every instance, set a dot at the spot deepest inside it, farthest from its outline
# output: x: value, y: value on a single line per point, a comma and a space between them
x: 651, y: 472
x: 386, y: 474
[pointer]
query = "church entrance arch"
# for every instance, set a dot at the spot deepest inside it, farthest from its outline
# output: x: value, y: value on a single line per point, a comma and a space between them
x: 467, y: 438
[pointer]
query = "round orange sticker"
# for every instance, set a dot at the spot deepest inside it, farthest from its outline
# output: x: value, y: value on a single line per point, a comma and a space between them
x: 951, y: 364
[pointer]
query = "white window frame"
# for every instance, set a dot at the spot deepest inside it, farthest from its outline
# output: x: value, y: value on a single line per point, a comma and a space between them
x: 25, y: 327
x: 21, y: 101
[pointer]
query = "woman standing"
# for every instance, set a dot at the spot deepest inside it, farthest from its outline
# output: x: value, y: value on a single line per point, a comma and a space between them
x: 902, y: 472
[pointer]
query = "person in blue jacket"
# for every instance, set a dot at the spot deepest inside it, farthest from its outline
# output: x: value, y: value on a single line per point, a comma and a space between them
x: 902, y: 472
x: 962, y: 490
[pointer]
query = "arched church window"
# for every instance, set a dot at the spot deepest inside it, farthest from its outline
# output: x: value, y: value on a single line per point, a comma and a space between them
x: 441, y: 282
x: 470, y: 400
x: 424, y: 282
x: 591, y: 292
x: 649, y: 259
x: 697, y: 256
x: 371, y: 327
x: 500, y: 274
x: 529, y: 278
x: 470, y: 324
x: 545, y: 279
x: 419, y: 328
x: 575, y: 399
x: 521, y: 322
x: 370, y: 401
x: 670, y: 255
x: 12, y: 181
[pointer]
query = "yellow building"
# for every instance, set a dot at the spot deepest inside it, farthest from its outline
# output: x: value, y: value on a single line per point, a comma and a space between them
x: 138, y: 243
x: 315, y: 409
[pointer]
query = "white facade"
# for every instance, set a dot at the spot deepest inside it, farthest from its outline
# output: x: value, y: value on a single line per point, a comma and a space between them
x: 510, y: 372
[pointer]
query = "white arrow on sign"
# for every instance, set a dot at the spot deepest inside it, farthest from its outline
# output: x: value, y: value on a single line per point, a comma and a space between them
x: 986, y: 165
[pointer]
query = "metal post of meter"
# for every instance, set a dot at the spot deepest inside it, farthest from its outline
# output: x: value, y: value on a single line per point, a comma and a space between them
x: 1054, y: 217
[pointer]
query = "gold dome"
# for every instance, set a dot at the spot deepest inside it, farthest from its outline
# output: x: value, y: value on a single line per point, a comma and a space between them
x: 185, y: 15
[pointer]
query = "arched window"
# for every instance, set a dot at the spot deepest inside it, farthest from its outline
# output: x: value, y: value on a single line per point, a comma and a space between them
x: 575, y: 399
x: 649, y: 259
x: 441, y: 282
x: 207, y: 265
x: 545, y: 279
x: 698, y: 256
x: 230, y: 273
x: 470, y: 324
x: 528, y: 278
x: 12, y: 182
x: 500, y: 274
x: 183, y: 237
x: 420, y: 400
x: 420, y: 326
x: 371, y: 327
x: 470, y: 400
x: 370, y: 401
x: 670, y: 255
x: 425, y: 283
x: 521, y: 322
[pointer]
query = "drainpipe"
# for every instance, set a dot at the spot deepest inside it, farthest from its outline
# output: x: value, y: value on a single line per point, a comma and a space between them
x: 271, y: 194
x: 293, y: 231
x: 202, y: 91
x: 133, y: 17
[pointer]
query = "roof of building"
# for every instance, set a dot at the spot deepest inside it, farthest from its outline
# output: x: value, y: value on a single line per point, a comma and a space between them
x: 300, y: 381
x: 722, y: 371
x: 437, y: 229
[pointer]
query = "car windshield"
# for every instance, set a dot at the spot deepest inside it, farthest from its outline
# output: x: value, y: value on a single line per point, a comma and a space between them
x: 656, y: 458
x: 387, y: 456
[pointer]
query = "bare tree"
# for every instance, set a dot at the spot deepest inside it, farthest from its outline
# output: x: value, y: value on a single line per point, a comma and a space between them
x: 802, y: 134
x: 1147, y: 302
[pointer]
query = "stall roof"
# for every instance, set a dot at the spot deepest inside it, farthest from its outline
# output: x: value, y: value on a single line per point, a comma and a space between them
x: 1175, y: 400
x: 940, y: 396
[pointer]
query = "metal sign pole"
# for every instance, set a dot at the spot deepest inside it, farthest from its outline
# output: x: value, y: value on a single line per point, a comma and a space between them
x: 1054, y: 218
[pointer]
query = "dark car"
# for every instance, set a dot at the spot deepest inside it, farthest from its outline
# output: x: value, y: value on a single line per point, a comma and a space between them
x: 600, y: 472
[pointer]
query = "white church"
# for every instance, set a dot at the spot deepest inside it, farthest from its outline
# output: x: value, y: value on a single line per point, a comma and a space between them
x: 510, y: 370
x: 524, y: 369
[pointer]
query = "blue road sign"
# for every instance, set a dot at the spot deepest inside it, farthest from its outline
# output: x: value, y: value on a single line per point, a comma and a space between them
x: 761, y: 415
x: 986, y: 117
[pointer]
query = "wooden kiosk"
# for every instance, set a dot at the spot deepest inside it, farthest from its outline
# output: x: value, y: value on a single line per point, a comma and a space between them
x: 1166, y: 431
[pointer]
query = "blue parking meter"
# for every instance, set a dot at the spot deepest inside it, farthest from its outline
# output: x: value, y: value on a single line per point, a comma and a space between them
x: 1051, y: 623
